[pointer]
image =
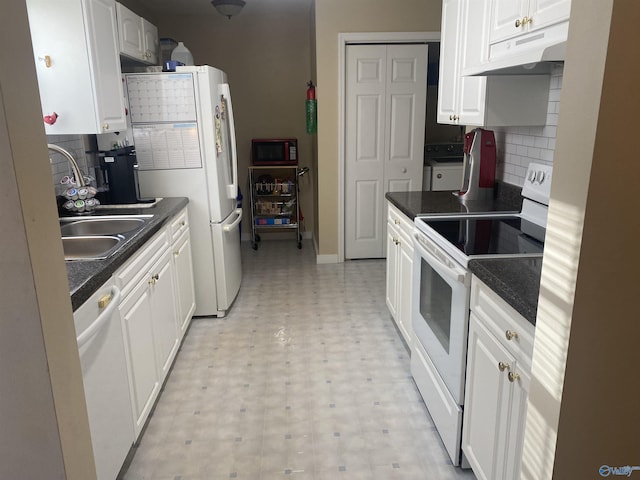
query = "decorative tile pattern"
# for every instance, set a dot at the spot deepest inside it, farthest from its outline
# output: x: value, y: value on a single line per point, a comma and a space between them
x: 306, y: 378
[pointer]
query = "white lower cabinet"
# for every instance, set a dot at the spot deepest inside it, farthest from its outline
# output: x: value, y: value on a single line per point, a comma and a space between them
x: 183, y: 270
x: 399, y: 270
x: 137, y: 324
x: 158, y: 300
x: 497, y: 385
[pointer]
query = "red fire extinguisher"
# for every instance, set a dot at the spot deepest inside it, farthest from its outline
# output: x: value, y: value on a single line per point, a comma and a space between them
x: 312, y: 106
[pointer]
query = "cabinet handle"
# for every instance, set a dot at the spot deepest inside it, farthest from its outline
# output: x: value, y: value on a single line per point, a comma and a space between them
x: 450, y: 117
x: 176, y: 253
x: 503, y: 366
x: 513, y: 377
x: 523, y: 22
x: 105, y: 126
x: 439, y: 175
x: 396, y: 221
x: 154, y: 279
x: 183, y: 223
x: 104, y: 301
x: 396, y: 241
x: 510, y: 335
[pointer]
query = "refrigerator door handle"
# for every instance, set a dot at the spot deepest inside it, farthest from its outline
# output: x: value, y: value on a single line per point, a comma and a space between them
x: 232, y: 190
x: 232, y: 225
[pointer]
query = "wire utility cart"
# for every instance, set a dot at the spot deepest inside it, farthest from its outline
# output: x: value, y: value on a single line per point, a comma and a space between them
x: 274, y: 200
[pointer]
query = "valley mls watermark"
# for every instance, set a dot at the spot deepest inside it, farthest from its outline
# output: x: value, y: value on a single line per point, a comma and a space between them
x: 626, y: 471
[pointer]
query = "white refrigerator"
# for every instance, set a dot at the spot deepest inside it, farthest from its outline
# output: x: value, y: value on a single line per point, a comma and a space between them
x: 184, y: 135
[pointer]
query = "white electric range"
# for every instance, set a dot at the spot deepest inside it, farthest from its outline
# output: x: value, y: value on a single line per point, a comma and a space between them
x: 443, y: 247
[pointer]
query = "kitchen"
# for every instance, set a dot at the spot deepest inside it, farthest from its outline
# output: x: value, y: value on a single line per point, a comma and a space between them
x: 563, y: 410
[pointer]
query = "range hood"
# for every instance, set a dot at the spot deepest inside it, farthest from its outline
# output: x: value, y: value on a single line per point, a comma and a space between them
x: 528, y: 63
x: 535, y: 53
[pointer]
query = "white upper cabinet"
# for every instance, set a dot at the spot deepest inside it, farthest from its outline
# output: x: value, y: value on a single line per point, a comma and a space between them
x: 511, y: 18
x: 522, y: 33
x: 78, y: 67
x: 482, y: 101
x: 138, y: 37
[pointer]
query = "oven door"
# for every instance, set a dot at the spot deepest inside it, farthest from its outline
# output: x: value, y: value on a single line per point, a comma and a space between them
x: 441, y: 311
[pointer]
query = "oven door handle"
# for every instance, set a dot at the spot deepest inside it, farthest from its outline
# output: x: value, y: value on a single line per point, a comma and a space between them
x: 457, y: 275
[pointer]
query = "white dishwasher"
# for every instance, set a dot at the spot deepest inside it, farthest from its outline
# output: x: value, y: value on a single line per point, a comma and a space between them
x: 106, y: 384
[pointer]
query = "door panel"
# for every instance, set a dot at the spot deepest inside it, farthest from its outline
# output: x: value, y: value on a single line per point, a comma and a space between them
x: 385, y: 115
x: 364, y: 164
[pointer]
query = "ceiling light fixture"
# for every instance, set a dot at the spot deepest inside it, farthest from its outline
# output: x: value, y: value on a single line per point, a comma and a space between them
x: 228, y: 8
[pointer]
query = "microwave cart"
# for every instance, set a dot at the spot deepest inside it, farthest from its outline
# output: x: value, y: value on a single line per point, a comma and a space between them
x: 274, y: 200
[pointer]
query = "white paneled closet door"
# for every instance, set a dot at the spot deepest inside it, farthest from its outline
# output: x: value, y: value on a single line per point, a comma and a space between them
x: 386, y: 89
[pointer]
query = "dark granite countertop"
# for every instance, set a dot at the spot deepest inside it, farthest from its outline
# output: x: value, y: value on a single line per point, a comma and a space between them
x: 412, y: 204
x: 515, y: 280
x: 86, y: 276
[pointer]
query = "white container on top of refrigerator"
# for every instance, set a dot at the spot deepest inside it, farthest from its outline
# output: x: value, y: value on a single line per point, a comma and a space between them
x: 184, y: 135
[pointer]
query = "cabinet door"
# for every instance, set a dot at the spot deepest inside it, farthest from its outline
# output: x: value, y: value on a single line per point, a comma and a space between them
x: 517, y: 418
x: 487, y: 402
x: 449, y: 70
x: 165, y: 330
x: 392, y: 269
x: 405, y: 282
x: 136, y: 315
x: 130, y: 32
x: 504, y: 14
x: 105, y: 63
x: 151, y: 42
x: 461, y: 100
x: 547, y: 12
x: 78, y: 66
x: 183, y: 268
x: 474, y: 51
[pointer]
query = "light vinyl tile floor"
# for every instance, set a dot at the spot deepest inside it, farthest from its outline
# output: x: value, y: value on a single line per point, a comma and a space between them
x: 305, y: 378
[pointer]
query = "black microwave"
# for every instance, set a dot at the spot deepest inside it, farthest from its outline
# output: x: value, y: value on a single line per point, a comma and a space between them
x: 274, y: 151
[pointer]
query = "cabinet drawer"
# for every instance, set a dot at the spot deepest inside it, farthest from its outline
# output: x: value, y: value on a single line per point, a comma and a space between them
x: 500, y: 318
x: 179, y: 225
x: 402, y: 222
x: 137, y: 266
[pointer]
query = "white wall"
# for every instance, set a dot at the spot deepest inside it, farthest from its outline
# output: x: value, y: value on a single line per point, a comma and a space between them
x: 518, y: 146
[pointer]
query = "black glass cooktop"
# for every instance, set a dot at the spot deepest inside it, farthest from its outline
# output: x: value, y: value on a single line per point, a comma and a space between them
x: 483, y: 236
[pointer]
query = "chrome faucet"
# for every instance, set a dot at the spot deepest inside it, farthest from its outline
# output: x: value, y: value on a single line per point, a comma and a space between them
x: 72, y: 162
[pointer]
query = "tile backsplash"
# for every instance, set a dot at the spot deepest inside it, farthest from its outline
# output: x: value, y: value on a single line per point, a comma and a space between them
x: 77, y: 146
x: 518, y: 146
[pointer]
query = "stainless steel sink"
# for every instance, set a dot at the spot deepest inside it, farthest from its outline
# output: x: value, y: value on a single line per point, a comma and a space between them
x: 103, y: 225
x: 98, y: 237
x: 90, y: 247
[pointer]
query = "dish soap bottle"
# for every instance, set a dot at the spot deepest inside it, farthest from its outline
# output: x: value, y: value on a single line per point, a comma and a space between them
x: 182, y: 54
